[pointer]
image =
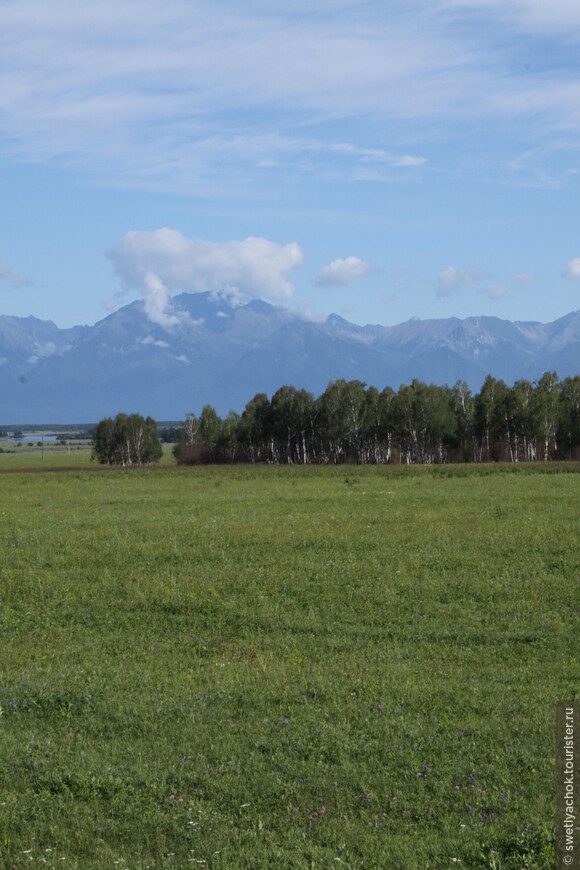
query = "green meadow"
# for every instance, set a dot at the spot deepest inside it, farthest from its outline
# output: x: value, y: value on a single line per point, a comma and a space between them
x: 285, y: 667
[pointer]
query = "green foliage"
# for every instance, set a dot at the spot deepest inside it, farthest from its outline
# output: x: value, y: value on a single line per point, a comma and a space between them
x: 420, y: 424
x: 257, y: 667
x: 127, y: 440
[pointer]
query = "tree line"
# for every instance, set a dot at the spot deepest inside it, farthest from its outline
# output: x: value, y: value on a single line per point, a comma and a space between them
x: 420, y: 423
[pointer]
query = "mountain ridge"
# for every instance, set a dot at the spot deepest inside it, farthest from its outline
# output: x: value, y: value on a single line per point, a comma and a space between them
x: 223, y: 356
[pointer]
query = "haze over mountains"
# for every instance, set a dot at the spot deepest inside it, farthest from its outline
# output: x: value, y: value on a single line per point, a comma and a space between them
x: 224, y: 356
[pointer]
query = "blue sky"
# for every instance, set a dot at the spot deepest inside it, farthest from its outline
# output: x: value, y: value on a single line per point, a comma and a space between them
x: 379, y: 159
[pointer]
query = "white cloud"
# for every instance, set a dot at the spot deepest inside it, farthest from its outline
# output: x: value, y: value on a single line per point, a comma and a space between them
x: 449, y: 281
x: 139, y: 95
x: 522, y: 278
x: 534, y: 15
x: 14, y: 278
x: 573, y: 269
x: 372, y: 155
x: 156, y: 297
x: 43, y: 351
x: 156, y: 343
x: 108, y: 91
x: 342, y: 272
x: 365, y: 153
x: 164, y: 261
x: 452, y: 281
x: 306, y: 311
x: 408, y: 160
x: 495, y: 291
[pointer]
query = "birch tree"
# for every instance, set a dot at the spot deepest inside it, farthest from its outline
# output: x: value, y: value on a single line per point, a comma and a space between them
x: 569, y: 424
x: 546, y: 395
x: 127, y: 440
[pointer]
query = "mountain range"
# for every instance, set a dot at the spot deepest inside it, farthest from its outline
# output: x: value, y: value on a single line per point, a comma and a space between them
x: 223, y: 356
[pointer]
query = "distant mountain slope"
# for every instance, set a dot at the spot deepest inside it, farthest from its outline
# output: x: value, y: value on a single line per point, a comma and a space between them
x: 26, y: 340
x: 224, y: 356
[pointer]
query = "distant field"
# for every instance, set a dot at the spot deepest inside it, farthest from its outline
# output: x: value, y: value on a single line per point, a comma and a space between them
x: 24, y: 454
x: 75, y: 454
x: 285, y: 667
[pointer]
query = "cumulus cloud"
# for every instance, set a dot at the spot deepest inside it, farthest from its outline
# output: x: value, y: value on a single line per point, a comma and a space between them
x: 495, y: 291
x: 156, y: 297
x: 452, y: 281
x: 164, y: 261
x: 339, y: 273
x: 14, y: 278
x: 573, y: 269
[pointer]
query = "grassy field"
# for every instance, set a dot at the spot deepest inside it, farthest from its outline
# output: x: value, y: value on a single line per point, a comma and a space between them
x: 285, y: 667
x: 76, y: 454
x: 21, y: 454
